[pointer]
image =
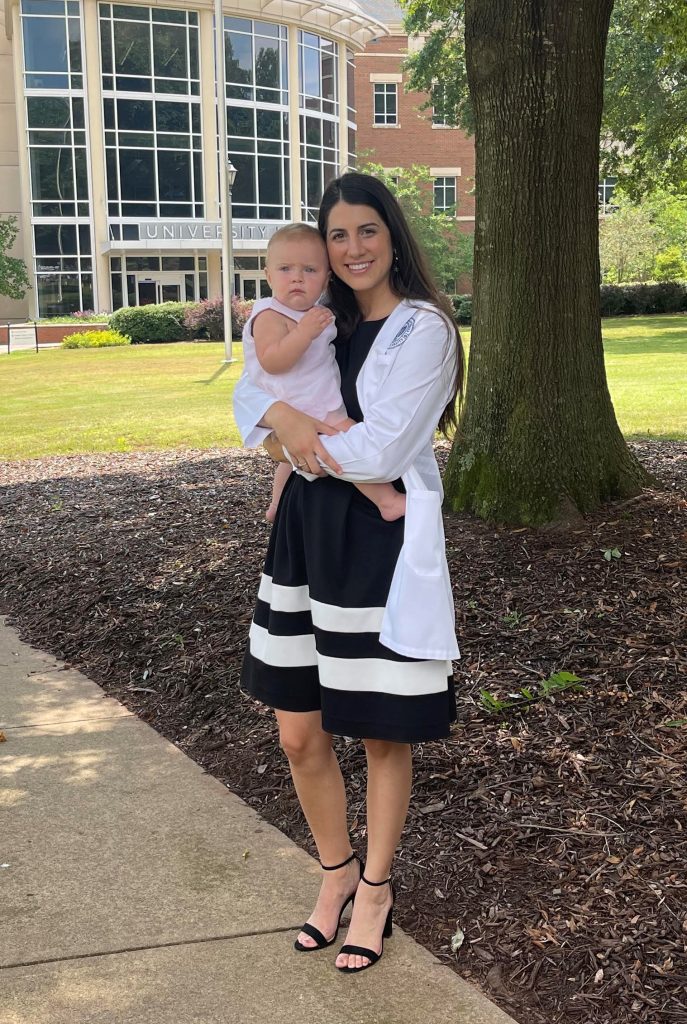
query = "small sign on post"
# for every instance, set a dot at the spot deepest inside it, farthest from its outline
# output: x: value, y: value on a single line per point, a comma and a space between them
x: 21, y: 337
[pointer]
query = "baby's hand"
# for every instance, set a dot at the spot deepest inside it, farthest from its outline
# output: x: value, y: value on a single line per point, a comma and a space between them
x: 315, y: 321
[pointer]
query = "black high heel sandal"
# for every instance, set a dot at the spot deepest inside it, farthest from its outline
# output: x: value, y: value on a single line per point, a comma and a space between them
x: 314, y: 932
x: 361, y: 950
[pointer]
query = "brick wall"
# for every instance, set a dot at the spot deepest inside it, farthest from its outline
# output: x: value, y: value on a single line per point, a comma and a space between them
x: 414, y: 140
x: 53, y: 334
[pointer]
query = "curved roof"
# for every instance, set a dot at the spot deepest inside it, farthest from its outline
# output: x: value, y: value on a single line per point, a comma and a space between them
x: 386, y: 11
x: 343, y: 18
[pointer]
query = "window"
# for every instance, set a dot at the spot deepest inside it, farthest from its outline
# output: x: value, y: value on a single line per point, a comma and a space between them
x: 352, y: 126
x: 63, y: 266
x: 258, y: 143
x: 317, y: 73
x: 52, y: 44
x: 151, y: 112
x: 606, y: 188
x: 58, y: 156
x: 318, y: 102
x: 385, y: 103
x: 191, y: 270
x: 445, y: 196
x: 440, y: 109
x: 256, y: 60
x: 149, y: 50
x: 257, y: 118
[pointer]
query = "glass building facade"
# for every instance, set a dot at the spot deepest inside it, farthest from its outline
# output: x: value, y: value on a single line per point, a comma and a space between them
x: 120, y: 190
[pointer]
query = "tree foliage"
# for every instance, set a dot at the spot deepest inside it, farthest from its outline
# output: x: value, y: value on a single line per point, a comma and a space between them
x: 644, y: 124
x: 646, y: 240
x: 14, y: 279
x: 448, y: 249
x: 644, y: 128
x: 629, y: 242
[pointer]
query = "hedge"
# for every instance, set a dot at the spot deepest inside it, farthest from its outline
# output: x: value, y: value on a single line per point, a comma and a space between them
x: 643, y: 298
x: 95, y: 339
x: 638, y: 299
x: 462, y: 307
x: 147, y: 324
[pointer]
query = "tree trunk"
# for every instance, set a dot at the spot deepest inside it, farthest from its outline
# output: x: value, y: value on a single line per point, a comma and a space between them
x: 538, y: 439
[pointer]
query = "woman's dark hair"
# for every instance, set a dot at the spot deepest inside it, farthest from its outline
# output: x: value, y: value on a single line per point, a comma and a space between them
x: 410, y: 277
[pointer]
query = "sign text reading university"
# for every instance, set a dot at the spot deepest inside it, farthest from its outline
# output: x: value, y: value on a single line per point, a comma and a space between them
x: 187, y: 231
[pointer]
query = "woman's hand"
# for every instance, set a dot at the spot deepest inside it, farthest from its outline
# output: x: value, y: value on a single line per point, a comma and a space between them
x: 299, y: 434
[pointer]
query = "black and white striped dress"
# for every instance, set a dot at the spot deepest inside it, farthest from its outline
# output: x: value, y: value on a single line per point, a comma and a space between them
x: 314, y: 640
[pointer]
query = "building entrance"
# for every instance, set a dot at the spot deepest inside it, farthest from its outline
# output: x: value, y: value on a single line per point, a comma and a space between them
x: 151, y: 290
x: 252, y: 286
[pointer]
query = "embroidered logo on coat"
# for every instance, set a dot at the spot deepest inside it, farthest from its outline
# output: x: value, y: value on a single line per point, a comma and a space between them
x: 402, y: 334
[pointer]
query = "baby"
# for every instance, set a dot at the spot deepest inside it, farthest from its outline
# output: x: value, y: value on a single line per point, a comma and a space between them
x: 288, y: 350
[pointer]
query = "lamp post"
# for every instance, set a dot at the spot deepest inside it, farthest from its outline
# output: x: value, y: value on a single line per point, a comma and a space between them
x: 228, y: 259
x: 224, y: 165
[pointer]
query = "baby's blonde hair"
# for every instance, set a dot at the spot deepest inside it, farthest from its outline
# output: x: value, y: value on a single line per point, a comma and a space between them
x: 292, y: 231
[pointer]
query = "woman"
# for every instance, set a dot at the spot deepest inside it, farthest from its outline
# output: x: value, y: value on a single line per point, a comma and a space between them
x: 353, y: 632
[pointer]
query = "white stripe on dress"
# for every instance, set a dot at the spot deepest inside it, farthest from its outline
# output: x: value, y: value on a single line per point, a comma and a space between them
x: 374, y: 675
x: 331, y: 617
x: 336, y: 619
x: 283, y: 599
x: 282, y: 651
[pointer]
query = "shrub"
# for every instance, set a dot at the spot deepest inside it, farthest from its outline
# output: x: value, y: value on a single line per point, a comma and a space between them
x: 462, y: 307
x: 83, y: 316
x: 95, y: 339
x: 148, y: 324
x: 240, y: 311
x: 669, y: 264
x: 643, y: 298
x: 206, y: 320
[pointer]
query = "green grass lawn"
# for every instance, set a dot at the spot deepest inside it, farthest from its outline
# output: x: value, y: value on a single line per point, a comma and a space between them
x: 62, y: 401
x: 179, y: 396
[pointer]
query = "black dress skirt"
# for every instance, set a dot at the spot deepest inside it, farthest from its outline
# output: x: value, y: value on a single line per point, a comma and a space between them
x: 314, y: 640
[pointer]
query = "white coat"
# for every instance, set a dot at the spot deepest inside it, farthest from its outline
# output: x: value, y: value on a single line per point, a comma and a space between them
x: 403, y: 387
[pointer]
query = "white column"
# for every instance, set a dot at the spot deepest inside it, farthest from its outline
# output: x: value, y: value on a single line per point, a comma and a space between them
x: 343, y: 110
x: 294, y: 127
x: 220, y: 71
x: 208, y: 108
x: 24, y: 173
x: 208, y: 113
x: 93, y: 105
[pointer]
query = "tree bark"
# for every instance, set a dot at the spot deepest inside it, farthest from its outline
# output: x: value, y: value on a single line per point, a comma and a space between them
x: 538, y: 438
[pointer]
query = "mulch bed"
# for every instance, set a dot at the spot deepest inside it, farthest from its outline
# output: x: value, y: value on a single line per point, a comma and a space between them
x: 553, y: 834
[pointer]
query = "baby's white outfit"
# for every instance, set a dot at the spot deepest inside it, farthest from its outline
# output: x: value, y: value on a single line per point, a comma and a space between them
x: 313, y: 384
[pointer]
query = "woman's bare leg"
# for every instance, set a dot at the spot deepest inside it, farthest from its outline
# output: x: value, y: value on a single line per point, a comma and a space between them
x: 389, y: 780
x: 322, y: 795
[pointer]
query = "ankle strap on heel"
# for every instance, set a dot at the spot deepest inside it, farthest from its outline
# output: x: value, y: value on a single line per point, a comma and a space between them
x: 368, y: 882
x: 335, y: 867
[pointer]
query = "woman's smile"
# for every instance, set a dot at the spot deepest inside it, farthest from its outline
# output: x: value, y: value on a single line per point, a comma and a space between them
x: 360, y: 251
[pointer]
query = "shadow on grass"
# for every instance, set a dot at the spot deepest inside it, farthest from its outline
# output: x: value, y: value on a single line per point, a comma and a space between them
x: 218, y: 373
x: 643, y: 346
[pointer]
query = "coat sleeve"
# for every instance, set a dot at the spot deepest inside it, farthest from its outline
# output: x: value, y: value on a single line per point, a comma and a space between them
x: 250, y: 405
x: 402, y: 414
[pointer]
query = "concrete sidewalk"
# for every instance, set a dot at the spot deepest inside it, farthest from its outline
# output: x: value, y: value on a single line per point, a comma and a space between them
x: 138, y: 890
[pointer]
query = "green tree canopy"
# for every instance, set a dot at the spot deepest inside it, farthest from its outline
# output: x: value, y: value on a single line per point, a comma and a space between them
x: 644, y: 240
x: 644, y: 124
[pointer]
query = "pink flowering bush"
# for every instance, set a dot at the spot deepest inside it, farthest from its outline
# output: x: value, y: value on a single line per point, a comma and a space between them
x: 206, y: 319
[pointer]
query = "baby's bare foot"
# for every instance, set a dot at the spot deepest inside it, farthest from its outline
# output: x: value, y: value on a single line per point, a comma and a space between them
x: 392, y: 508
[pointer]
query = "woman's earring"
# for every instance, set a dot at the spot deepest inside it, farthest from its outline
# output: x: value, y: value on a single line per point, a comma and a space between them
x: 395, y: 263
